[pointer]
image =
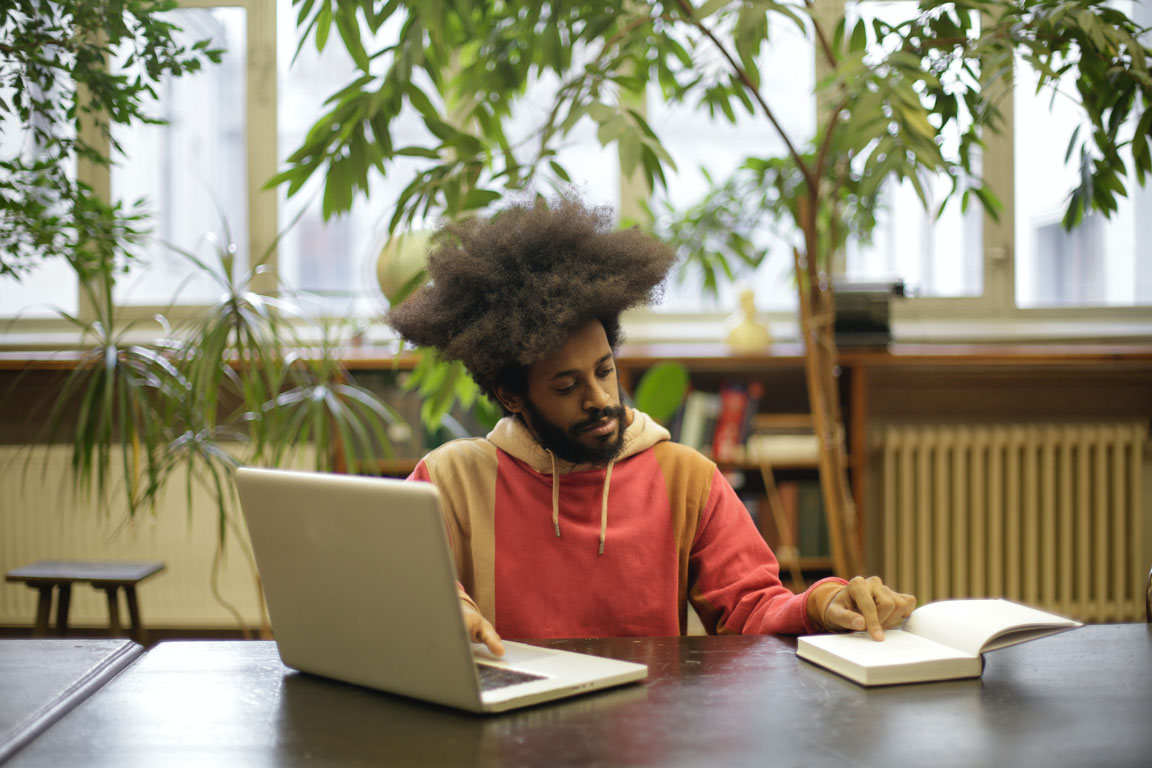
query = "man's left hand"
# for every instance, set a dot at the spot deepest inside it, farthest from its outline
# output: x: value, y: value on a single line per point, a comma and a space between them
x: 867, y: 604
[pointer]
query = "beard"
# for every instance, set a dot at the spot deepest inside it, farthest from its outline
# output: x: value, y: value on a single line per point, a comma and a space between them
x: 565, y: 442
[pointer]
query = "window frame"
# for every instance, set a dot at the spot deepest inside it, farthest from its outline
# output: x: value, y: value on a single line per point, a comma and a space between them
x: 260, y: 141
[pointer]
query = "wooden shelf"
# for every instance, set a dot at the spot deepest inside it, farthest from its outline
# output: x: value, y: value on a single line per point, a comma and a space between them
x: 749, y: 466
x: 399, y: 467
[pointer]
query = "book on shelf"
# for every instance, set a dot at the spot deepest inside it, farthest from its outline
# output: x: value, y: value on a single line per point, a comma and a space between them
x: 727, y: 437
x: 782, y: 438
x: 944, y: 640
x: 755, y: 391
x: 701, y: 409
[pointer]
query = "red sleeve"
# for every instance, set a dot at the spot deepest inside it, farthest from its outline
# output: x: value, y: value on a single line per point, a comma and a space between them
x: 734, y: 579
x: 420, y: 473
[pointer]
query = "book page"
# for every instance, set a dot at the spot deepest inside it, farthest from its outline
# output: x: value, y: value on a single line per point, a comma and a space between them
x: 973, y: 626
x: 898, y: 647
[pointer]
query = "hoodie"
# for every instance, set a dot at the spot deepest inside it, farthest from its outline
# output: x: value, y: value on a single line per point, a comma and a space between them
x: 546, y: 548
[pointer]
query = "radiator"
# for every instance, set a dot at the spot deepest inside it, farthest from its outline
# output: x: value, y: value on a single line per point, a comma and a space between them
x: 41, y: 520
x: 1045, y: 514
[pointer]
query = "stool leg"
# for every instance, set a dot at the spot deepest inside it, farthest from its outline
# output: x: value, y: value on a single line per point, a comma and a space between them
x: 134, y: 613
x: 63, y: 601
x: 113, y: 612
x: 43, y: 608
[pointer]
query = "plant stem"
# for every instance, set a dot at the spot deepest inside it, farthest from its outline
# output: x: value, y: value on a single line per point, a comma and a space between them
x: 751, y: 87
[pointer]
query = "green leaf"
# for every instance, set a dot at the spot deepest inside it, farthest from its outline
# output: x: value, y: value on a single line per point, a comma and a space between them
x: 609, y: 131
x: 859, y: 40
x: 349, y: 30
x: 421, y: 102
x: 479, y: 198
x: 661, y: 390
x: 431, y: 154
x: 323, y: 25
x: 1071, y: 144
x: 560, y: 171
x: 708, y: 8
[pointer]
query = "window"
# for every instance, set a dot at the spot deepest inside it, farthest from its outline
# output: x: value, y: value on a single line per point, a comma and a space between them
x: 1100, y: 263
x: 332, y: 263
x: 939, y: 257
x: 191, y: 171
x: 704, y: 147
x: 52, y: 285
x: 232, y: 126
x: 933, y: 256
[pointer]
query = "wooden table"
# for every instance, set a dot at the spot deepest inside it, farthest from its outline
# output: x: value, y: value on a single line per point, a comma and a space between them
x: 47, y: 575
x: 43, y: 680
x: 1079, y: 698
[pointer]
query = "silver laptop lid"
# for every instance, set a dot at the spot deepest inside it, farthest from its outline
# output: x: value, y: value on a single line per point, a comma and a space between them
x: 359, y: 581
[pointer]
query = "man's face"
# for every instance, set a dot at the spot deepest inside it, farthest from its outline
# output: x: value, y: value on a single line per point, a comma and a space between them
x: 573, y: 404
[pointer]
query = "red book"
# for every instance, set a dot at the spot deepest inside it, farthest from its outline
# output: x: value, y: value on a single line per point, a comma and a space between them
x: 727, y: 438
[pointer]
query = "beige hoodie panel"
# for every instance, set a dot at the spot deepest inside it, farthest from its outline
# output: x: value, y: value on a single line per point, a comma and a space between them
x: 464, y: 471
x: 511, y: 436
x: 688, y: 475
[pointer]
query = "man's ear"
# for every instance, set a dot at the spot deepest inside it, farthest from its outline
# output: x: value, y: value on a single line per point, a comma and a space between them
x: 512, y: 402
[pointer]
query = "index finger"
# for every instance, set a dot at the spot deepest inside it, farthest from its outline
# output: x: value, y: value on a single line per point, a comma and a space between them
x: 489, y: 637
x: 861, y: 593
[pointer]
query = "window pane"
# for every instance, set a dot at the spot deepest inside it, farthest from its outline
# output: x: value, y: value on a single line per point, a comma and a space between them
x: 933, y: 256
x: 332, y: 264
x: 697, y: 143
x: 50, y: 285
x: 191, y: 171
x: 1104, y: 262
x: 329, y: 260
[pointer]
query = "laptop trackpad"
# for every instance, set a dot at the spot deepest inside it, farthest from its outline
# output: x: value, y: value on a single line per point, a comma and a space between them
x: 514, y: 653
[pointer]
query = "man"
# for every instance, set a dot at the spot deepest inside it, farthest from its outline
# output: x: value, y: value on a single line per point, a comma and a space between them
x: 577, y: 516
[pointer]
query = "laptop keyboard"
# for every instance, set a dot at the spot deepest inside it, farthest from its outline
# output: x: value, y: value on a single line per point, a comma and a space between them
x: 492, y: 677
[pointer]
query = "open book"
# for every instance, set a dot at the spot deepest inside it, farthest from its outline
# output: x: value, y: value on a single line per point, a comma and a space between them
x: 939, y: 641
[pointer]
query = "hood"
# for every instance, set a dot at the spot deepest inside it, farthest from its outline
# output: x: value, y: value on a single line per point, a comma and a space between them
x: 512, y: 437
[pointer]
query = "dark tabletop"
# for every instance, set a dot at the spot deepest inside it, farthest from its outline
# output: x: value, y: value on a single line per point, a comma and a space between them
x: 1079, y: 698
x: 74, y: 570
x: 42, y: 680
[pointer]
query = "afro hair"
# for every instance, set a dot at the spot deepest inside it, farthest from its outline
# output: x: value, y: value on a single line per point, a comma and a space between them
x: 507, y: 291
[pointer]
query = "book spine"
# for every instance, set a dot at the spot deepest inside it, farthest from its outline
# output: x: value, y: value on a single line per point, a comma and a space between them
x: 755, y: 394
x: 726, y: 439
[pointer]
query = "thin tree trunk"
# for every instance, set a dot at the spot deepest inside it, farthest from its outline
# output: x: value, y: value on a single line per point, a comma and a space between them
x: 817, y: 319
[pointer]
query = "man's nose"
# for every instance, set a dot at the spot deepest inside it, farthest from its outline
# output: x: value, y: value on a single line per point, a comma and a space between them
x: 597, y: 398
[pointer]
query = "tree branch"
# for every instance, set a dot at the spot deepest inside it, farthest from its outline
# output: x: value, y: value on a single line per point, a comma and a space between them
x: 825, y: 46
x: 751, y: 87
x: 822, y: 155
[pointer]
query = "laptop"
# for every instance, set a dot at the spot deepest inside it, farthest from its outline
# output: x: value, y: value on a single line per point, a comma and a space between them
x: 361, y: 587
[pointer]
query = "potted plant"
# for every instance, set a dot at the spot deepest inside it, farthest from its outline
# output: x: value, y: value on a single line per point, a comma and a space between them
x: 463, y: 68
x: 145, y: 401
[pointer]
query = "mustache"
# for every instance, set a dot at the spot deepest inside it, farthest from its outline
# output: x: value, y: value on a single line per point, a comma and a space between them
x: 595, y: 417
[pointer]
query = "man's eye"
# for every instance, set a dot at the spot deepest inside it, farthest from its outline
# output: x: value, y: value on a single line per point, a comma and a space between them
x: 605, y: 373
x: 566, y: 390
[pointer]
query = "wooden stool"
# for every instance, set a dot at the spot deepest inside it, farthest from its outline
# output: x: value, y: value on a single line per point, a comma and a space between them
x: 62, y: 574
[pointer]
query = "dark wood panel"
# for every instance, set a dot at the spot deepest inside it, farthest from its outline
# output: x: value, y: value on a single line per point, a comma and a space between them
x: 1009, y: 393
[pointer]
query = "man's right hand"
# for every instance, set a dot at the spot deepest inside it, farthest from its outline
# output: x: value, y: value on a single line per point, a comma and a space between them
x: 480, y: 630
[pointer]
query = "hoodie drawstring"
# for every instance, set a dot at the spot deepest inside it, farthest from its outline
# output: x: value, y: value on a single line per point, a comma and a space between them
x: 555, y: 494
x: 603, y: 503
x: 604, y: 509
